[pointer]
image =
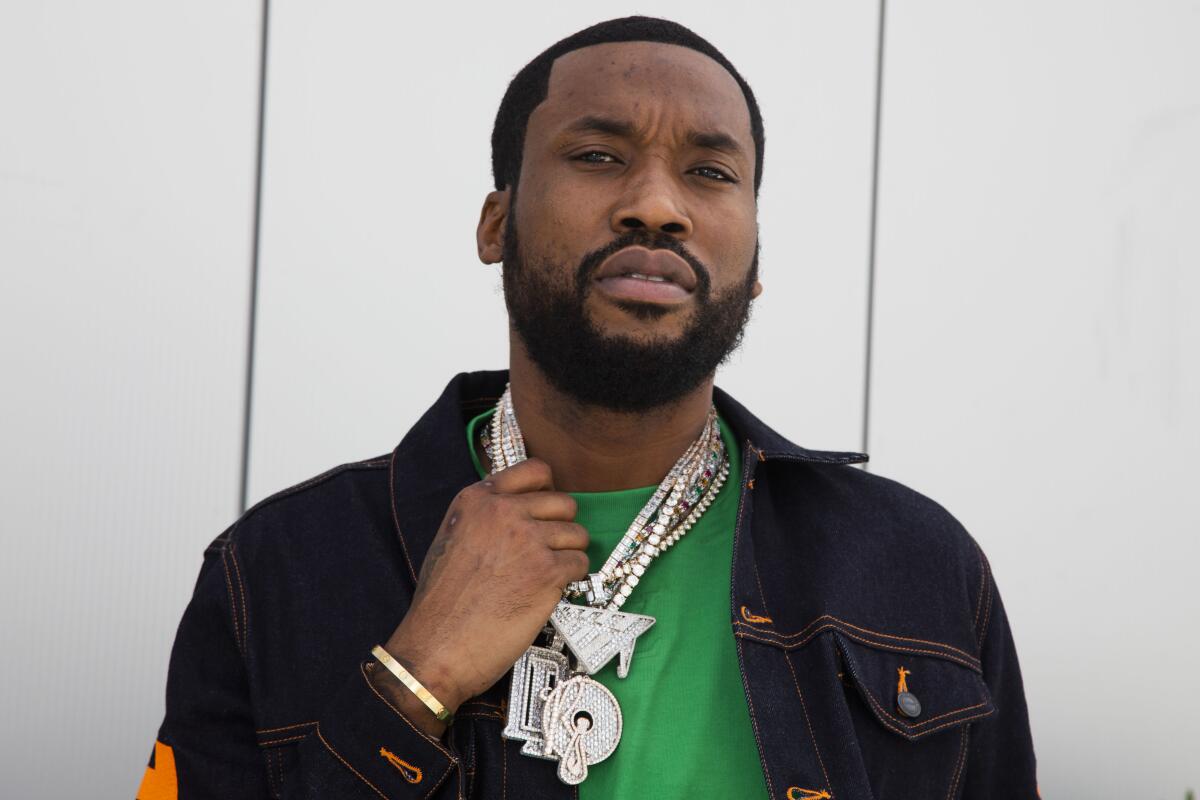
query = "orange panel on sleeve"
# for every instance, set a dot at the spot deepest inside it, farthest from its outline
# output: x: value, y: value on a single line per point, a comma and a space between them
x: 159, y: 782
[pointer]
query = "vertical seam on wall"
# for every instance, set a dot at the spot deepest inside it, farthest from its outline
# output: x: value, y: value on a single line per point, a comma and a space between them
x: 254, y: 254
x: 866, y: 420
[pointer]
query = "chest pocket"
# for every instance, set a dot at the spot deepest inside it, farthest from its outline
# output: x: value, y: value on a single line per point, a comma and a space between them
x: 915, y: 695
x: 912, y: 708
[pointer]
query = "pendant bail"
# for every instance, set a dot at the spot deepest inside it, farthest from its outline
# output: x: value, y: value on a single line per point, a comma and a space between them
x: 596, y: 593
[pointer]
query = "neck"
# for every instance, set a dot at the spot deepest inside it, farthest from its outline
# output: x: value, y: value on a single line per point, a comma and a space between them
x: 592, y: 449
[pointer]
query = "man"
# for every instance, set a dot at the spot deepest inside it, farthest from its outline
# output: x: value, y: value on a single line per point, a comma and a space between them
x: 817, y: 633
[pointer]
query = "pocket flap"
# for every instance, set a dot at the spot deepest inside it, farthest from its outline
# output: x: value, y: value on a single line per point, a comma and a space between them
x: 941, y: 693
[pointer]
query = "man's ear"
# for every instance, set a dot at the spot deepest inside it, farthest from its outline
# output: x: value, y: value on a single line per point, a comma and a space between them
x: 489, y: 235
x: 756, y: 290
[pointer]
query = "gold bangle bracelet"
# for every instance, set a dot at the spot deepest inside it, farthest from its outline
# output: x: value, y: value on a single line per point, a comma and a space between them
x: 414, y: 685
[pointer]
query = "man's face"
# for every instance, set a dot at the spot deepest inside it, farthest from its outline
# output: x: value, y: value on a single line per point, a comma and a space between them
x: 631, y: 245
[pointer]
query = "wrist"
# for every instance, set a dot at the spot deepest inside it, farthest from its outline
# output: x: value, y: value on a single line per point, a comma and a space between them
x: 404, y: 701
x: 433, y: 675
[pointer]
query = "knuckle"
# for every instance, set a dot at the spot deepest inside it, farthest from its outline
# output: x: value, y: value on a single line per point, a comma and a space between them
x: 500, y: 504
x: 471, y: 495
x: 577, y: 564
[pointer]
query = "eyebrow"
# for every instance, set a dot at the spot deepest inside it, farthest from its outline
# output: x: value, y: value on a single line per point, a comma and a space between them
x: 711, y: 140
x: 593, y: 124
x: 716, y: 140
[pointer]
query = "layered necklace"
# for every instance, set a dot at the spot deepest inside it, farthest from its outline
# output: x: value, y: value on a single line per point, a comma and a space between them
x: 554, y: 706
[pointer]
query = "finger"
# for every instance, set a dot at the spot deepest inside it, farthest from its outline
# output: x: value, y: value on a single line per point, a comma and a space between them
x: 570, y: 565
x: 565, y: 536
x: 545, y: 505
x: 530, y: 475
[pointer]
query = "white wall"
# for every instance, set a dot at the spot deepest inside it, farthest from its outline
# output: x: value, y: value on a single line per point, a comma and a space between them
x: 1037, y: 352
x: 127, y: 141
x: 1035, y: 345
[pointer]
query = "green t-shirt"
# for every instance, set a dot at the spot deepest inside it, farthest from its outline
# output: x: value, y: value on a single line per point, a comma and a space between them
x: 687, y: 730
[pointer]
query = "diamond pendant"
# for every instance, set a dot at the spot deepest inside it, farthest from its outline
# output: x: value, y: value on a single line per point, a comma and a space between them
x: 572, y: 719
x: 581, y: 726
x: 535, y: 675
x: 595, y: 635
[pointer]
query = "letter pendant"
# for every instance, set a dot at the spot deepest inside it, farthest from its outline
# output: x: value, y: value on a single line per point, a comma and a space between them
x: 536, y: 673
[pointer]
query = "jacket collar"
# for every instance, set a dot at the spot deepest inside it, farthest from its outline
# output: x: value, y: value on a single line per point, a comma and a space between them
x: 432, y: 463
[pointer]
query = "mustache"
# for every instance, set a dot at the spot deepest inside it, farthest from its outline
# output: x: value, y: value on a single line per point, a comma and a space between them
x: 651, y: 241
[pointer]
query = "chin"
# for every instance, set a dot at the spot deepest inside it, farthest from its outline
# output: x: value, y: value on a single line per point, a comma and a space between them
x: 631, y: 316
x: 637, y: 330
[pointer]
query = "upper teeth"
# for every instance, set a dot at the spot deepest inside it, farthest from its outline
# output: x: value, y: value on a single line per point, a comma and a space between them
x: 655, y: 278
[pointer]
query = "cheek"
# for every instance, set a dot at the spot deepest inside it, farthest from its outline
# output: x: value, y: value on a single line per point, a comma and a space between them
x: 733, y: 250
x: 555, y: 223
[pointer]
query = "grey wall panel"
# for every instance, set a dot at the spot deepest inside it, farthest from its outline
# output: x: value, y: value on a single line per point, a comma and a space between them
x: 1037, y: 353
x: 126, y: 192
x: 377, y: 162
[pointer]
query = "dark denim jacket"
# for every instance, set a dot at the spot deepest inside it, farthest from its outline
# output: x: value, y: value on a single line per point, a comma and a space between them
x: 840, y: 579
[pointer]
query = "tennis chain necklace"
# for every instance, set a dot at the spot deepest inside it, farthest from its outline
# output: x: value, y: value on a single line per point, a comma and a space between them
x: 554, y: 706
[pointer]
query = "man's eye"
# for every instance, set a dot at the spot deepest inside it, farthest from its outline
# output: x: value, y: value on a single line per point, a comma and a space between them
x: 596, y: 157
x: 714, y: 174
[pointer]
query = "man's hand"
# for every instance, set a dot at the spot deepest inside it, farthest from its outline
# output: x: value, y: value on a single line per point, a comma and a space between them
x: 506, y: 548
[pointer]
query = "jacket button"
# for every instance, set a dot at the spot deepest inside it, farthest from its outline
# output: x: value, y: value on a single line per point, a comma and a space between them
x: 908, y: 704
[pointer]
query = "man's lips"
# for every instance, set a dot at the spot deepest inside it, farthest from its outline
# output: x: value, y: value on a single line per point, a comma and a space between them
x: 651, y: 276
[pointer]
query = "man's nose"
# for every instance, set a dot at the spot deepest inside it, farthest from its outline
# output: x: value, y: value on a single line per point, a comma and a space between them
x: 652, y: 203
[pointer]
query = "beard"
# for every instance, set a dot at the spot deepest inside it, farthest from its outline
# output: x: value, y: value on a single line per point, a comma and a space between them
x: 546, y: 308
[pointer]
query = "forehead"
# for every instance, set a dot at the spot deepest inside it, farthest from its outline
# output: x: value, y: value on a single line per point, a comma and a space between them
x: 645, y: 81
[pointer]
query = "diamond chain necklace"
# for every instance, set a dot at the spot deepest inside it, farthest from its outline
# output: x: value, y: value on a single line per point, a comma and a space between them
x: 676, y: 505
x: 557, y: 710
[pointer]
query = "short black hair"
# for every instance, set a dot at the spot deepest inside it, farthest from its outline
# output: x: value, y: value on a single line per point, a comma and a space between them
x: 528, y: 89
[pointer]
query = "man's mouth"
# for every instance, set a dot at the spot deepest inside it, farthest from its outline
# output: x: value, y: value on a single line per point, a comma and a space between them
x: 648, y: 276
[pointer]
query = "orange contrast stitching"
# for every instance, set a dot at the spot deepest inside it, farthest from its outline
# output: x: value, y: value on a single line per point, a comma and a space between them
x: 396, y: 514
x: 753, y: 717
x: 747, y: 470
x: 754, y: 618
x: 982, y: 577
x: 497, y: 706
x: 922, y: 723
x: 807, y: 719
x: 987, y: 614
x: 809, y: 794
x: 503, y: 768
x: 284, y: 740
x: 820, y: 619
x: 237, y: 634
x: 762, y: 597
x: 286, y: 727
x: 912, y: 728
x: 766, y: 640
x: 388, y: 703
x: 962, y: 758
x: 750, y: 483
x: 408, y: 771
x: 242, y: 588
x: 346, y: 764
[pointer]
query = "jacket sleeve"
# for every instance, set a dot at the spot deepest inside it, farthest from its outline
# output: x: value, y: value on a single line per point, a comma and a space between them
x: 208, y: 746
x: 1001, y: 763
